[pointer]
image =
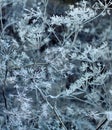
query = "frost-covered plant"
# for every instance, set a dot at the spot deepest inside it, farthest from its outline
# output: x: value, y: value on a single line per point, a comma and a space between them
x: 92, y: 68
x: 46, y: 67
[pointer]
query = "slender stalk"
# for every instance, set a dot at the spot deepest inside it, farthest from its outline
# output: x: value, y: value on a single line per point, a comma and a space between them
x: 3, y: 91
x: 101, y: 123
x: 75, y: 37
x: 53, y: 108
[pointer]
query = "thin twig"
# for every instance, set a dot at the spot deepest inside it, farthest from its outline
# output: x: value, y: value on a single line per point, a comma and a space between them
x: 75, y: 37
x: 101, y: 123
x: 53, y: 108
x: 26, y: 66
x: 3, y: 90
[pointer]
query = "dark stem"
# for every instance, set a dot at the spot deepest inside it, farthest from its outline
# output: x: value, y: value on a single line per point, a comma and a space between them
x: 3, y: 90
x: 101, y: 124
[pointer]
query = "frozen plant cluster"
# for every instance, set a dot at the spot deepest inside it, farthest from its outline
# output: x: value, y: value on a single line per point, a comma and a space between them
x: 55, y: 70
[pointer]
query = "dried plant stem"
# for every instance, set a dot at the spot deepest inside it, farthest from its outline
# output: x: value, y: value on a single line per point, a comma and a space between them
x: 4, y: 93
x: 75, y: 37
x: 53, y: 108
x: 101, y: 123
x: 28, y: 65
